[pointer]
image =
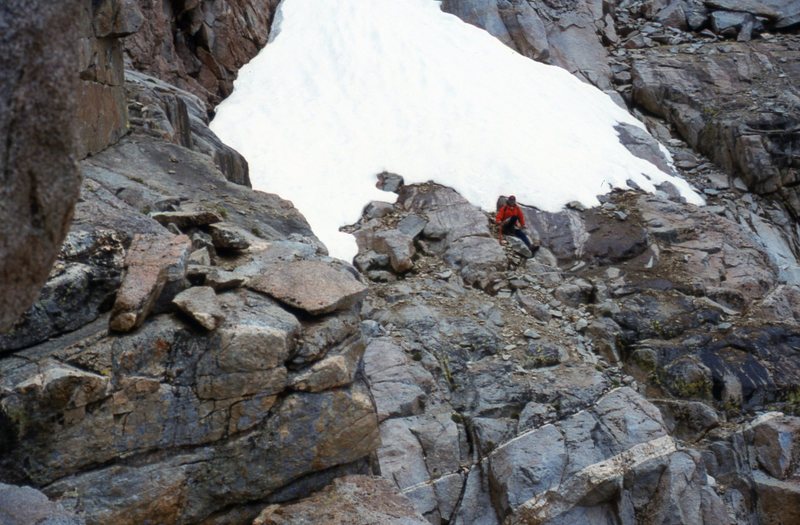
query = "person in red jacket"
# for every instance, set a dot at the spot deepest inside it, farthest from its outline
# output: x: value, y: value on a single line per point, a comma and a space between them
x: 512, y: 221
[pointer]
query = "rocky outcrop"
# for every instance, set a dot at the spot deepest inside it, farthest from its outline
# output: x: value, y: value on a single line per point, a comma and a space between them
x: 82, y: 283
x: 199, y: 46
x: 520, y: 399
x: 758, y: 143
x: 37, y: 154
x: 219, y: 421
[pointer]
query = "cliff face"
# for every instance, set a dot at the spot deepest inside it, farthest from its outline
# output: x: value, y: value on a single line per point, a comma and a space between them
x: 195, y: 357
x: 199, y: 45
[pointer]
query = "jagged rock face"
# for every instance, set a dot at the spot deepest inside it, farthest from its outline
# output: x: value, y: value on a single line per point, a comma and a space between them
x: 168, y: 113
x: 564, y: 34
x: 719, y: 118
x: 37, y: 154
x: 268, y: 399
x: 199, y: 45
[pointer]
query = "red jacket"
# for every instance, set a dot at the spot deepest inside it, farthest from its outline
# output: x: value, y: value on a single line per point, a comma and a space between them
x: 509, y: 211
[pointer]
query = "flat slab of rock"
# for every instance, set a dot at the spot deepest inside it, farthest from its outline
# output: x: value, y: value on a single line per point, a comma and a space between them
x: 351, y: 500
x: 200, y: 303
x: 149, y: 262
x: 221, y: 280
x: 313, y: 286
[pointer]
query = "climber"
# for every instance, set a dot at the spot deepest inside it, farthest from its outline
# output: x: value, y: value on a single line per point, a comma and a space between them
x: 512, y: 221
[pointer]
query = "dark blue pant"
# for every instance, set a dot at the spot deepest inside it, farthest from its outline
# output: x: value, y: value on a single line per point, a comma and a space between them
x: 510, y: 228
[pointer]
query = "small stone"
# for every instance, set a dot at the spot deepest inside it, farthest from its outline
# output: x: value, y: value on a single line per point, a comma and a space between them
x: 389, y: 182
x: 202, y: 240
x: 543, y: 355
x: 200, y: 257
x: 200, y: 303
x: 412, y: 225
x: 228, y: 237
x: 530, y: 333
x: 739, y: 184
x: 381, y: 276
x: 378, y: 209
x: 221, y: 280
x: 686, y: 164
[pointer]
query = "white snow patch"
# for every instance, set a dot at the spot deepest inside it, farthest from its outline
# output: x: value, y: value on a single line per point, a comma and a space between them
x: 349, y: 88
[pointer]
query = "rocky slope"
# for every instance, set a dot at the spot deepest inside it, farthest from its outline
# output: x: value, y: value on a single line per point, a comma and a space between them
x: 580, y: 385
x: 195, y: 357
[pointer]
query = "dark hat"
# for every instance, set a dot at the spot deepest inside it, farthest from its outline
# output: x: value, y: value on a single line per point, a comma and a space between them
x: 511, y: 198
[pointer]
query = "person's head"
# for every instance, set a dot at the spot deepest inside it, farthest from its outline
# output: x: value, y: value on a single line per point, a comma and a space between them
x: 511, y: 201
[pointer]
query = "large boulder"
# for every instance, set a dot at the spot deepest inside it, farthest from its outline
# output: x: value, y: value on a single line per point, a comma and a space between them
x: 25, y: 505
x: 154, y: 264
x: 38, y: 107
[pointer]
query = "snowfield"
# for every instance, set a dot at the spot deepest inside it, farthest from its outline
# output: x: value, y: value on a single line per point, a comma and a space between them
x: 349, y: 88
